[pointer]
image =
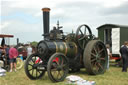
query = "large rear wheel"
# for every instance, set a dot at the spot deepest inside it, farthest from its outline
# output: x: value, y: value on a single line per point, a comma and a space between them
x: 95, y: 57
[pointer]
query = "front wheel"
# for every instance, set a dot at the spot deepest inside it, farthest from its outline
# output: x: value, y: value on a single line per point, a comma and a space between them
x: 57, y: 67
x: 33, y: 67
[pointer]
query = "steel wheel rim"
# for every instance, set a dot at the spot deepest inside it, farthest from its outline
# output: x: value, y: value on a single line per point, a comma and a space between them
x: 33, y: 67
x: 58, y: 68
x: 95, y: 57
x: 98, y: 59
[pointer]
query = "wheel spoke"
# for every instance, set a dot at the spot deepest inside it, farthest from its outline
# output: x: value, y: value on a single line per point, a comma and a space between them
x: 58, y: 74
x: 54, y: 69
x: 100, y: 66
x: 102, y: 59
x: 32, y: 60
x: 85, y: 31
x: 94, y: 59
x: 64, y: 66
x: 53, y: 72
x: 30, y: 64
x: 30, y: 69
x: 97, y: 68
x: 35, y: 59
x: 101, y: 50
x: 94, y: 55
x: 36, y: 73
x: 81, y: 32
x: 62, y: 62
x: 81, y: 39
x: 95, y: 50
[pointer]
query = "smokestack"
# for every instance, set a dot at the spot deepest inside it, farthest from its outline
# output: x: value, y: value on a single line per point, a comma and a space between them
x: 46, y: 22
x: 17, y: 41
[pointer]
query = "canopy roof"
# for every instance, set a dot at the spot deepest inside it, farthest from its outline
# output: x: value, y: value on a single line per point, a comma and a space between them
x: 112, y: 25
x: 4, y: 35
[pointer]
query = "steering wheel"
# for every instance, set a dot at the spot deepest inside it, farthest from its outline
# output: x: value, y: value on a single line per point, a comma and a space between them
x: 83, y: 34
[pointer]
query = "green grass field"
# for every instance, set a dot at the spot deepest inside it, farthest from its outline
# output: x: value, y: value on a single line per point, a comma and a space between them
x: 113, y: 76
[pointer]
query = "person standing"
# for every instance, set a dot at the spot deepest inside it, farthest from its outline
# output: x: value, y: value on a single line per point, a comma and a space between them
x: 109, y: 54
x: 29, y: 50
x: 124, y: 55
x: 7, y: 51
x: 1, y: 61
x: 13, y: 53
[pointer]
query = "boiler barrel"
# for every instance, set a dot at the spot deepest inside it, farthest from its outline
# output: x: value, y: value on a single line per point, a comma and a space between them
x: 50, y: 47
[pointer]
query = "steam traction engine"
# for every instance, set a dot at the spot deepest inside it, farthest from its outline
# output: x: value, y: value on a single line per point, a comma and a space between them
x: 58, y: 53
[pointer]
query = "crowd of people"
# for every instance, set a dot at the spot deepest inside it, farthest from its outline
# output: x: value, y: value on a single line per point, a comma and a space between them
x: 124, y: 55
x: 8, y: 55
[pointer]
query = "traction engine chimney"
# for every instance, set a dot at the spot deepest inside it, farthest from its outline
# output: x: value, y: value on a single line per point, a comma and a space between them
x: 46, y: 22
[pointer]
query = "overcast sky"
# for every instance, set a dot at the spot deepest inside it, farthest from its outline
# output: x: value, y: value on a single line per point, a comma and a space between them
x: 23, y: 18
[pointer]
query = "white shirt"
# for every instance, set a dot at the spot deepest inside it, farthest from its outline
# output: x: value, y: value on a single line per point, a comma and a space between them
x: 108, y: 51
x: 29, y: 50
